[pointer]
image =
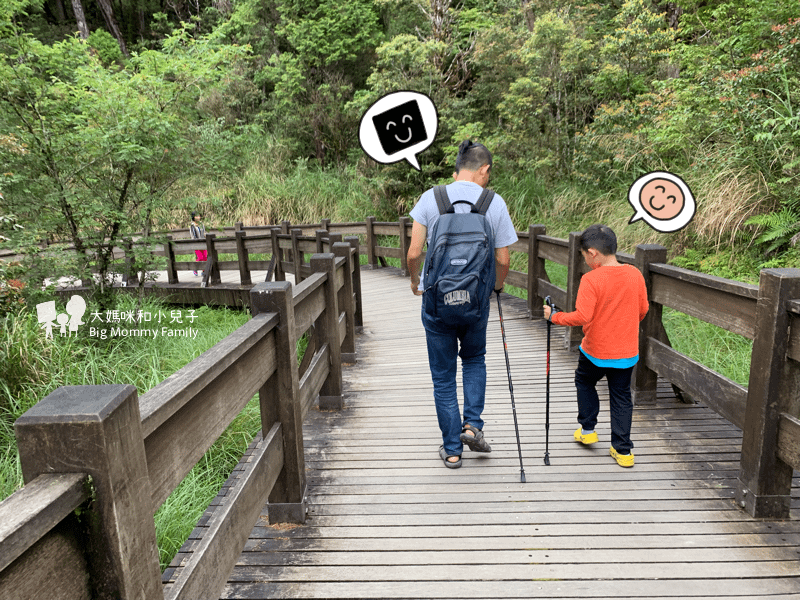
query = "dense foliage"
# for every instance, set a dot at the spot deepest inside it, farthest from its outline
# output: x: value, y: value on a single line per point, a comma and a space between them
x: 121, y: 117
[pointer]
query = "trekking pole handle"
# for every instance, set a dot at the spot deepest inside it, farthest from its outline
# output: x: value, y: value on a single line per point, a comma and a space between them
x: 553, y: 309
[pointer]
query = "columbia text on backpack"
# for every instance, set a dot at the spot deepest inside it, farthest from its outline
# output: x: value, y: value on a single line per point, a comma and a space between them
x: 460, y: 263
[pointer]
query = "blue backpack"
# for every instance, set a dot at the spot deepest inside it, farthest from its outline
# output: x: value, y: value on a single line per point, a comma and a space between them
x: 460, y: 263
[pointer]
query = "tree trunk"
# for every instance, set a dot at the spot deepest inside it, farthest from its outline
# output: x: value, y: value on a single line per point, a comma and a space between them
x: 111, y: 23
x: 674, y: 13
x: 61, y: 14
x: 527, y: 11
x: 77, y: 8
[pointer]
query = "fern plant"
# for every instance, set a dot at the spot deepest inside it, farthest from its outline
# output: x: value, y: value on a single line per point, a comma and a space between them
x: 780, y: 228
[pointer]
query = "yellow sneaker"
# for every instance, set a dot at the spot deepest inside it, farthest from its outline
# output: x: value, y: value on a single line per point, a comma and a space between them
x: 623, y: 460
x: 589, y: 438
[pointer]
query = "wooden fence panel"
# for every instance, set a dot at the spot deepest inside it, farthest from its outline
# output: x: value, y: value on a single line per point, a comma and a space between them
x: 28, y: 514
x: 54, y: 567
x: 309, y: 303
x: 789, y: 440
x: 183, y: 415
x: 722, y: 302
x: 213, y: 559
x: 554, y: 249
x: 725, y: 397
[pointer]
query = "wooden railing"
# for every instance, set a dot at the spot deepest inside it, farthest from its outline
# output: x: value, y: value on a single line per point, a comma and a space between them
x: 116, y: 457
x: 767, y: 410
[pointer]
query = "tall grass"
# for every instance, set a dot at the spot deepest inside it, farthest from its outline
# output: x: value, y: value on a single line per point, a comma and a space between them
x: 31, y: 367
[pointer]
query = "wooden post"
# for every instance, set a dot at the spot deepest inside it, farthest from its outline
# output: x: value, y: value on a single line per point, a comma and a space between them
x: 288, y: 257
x: 353, y: 241
x: 404, y: 242
x: 277, y: 256
x: 213, y: 261
x: 644, y: 380
x: 321, y: 235
x: 371, y: 242
x: 169, y: 250
x: 131, y: 277
x: 297, y: 256
x: 765, y: 481
x: 334, y: 238
x: 96, y: 429
x: 327, y: 328
x: 279, y: 399
x: 536, y: 271
x: 347, y: 302
x: 243, y: 256
x: 573, y: 335
x: 325, y: 224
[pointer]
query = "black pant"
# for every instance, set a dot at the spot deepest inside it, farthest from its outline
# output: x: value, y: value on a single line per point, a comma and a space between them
x: 619, y: 391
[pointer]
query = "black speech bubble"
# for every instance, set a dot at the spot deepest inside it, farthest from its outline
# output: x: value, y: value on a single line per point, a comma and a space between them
x: 400, y: 127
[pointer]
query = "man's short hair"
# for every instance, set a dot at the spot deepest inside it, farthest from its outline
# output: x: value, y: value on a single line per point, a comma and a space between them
x: 472, y: 156
x: 601, y: 238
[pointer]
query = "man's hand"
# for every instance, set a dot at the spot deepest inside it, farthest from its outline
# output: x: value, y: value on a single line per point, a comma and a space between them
x: 547, y: 312
x: 415, y: 286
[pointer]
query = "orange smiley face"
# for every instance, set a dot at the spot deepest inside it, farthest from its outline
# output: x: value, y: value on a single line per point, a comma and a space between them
x: 662, y: 199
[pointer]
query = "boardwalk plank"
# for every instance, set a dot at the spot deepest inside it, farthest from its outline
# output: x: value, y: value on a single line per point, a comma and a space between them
x: 387, y: 520
x: 382, y: 572
x: 734, y: 587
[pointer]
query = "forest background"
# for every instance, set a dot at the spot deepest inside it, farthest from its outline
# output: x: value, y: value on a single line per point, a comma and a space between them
x: 122, y: 116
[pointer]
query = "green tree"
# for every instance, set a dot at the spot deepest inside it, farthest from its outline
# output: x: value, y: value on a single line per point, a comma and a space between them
x: 102, y: 145
x: 639, y: 42
x: 321, y: 59
x: 544, y: 108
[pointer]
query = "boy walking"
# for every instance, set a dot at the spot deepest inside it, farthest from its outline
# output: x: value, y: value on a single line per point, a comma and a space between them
x: 612, y: 300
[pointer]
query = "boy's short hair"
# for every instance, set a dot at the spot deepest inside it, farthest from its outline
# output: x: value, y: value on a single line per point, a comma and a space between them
x: 601, y: 238
x: 472, y: 156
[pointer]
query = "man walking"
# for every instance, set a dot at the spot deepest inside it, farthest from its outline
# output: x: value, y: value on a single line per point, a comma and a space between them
x: 472, y: 172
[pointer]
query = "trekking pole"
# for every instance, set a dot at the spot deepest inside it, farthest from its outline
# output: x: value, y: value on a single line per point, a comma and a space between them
x: 547, y: 393
x: 511, y: 389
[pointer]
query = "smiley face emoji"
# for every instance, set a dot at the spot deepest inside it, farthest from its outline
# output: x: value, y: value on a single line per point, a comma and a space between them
x: 662, y: 199
x: 400, y: 127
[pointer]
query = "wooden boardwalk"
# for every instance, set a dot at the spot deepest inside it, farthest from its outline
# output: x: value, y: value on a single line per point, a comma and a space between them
x: 388, y: 520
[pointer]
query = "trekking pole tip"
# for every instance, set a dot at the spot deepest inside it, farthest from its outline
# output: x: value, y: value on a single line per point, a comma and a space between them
x: 547, y: 459
x: 522, y: 476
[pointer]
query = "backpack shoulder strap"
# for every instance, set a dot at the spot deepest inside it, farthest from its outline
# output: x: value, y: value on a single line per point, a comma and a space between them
x: 442, y: 201
x: 483, y: 202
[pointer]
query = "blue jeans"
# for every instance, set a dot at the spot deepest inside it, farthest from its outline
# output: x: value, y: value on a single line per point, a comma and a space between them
x: 443, y: 347
x: 619, y: 393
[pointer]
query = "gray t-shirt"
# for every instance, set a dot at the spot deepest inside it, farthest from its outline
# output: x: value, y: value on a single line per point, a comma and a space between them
x: 425, y: 212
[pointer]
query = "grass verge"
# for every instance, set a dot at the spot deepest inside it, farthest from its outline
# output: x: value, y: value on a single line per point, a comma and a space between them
x: 31, y: 367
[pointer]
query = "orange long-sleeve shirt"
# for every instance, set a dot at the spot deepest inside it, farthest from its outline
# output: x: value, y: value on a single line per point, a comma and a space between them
x: 611, y: 302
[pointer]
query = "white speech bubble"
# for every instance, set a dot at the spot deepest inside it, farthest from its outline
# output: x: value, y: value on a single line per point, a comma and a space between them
x: 368, y: 135
x: 663, y: 195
